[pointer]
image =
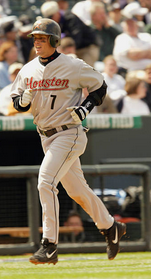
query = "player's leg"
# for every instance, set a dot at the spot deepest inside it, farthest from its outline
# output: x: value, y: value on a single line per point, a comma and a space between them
x: 77, y: 188
x: 61, y: 151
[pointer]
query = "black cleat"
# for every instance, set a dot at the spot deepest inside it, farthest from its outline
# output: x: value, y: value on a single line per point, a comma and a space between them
x: 46, y: 254
x: 112, y: 237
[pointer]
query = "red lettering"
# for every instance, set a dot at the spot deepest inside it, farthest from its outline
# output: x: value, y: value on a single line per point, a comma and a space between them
x: 29, y: 84
x: 43, y: 81
x: 47, y: 83
x: 64, y: 83
x: 40, y: 83
x: 53, y: 81
x: 35, y: 84
x: 58, y: 82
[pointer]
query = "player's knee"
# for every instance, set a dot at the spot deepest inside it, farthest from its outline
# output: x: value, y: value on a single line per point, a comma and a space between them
x: 46, y: 186
x: 44, y: 181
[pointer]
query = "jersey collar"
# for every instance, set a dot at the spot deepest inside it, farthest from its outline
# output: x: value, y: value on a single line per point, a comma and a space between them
x: 45, y: 61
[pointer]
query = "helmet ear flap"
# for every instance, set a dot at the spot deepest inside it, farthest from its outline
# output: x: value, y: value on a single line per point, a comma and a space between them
x: 54, y: 42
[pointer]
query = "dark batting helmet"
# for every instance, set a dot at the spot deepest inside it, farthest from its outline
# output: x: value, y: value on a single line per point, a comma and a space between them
x: 48, y: 27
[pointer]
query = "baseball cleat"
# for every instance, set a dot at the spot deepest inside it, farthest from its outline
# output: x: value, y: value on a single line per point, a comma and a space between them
x: 46, y: 254
x: 112, y: 237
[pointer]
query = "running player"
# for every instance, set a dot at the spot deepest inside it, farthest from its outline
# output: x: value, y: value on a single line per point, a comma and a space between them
x: 52, y: 85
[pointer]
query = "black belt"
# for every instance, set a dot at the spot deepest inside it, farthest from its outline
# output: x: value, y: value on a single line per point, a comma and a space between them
x: 53, y: 131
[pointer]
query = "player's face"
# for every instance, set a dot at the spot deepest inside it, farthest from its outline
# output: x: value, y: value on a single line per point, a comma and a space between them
x: 42, y: 45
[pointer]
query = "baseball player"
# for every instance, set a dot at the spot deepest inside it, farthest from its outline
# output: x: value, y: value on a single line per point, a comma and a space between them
x: 51, y: 84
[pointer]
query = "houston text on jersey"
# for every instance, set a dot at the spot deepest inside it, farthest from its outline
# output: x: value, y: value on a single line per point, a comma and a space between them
x: 50, y: 84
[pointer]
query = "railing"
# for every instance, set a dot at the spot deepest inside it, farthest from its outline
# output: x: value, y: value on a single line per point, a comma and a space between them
x: 30, y: 173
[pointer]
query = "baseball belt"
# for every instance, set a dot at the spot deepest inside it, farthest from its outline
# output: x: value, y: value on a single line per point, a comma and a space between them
x: 53, y: 131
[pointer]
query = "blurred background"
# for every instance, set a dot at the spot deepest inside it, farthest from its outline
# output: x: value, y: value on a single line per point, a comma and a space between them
x: 119, y: 129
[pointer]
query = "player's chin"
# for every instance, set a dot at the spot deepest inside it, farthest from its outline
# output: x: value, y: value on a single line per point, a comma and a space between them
x: 38, y: 51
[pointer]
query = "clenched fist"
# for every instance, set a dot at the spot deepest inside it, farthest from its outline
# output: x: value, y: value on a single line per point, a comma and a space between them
x: 26, y: 98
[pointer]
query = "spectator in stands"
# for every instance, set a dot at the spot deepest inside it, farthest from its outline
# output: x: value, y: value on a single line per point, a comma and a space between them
x: 106, y: 107
x: 147, y: 16
x: 3, y: 20
x: 115, y: 16
x: 79, y: 235
x: 86, y: 40
x: 32, y: 54
x: 82, y: 10
x: 5, y: 5
x: 68, y: 46
x: 74, y: 220
x: 114, y: 81
x: 63, y: 5
x: 132, y: 103
x: 2, y: 36
x: 26, y: 42
x: 2, y: 13
x: 147, y: 79
x: 11, y: 34
x: 132, y: 49
x: 135, y: 10
x: 16, y: 30
x: 106, y: 32
x: 8, y: 55
x: 6, y: 106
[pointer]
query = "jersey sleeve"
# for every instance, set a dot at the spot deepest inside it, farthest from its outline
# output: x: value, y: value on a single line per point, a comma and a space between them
x: 18, y: 86
x: 17, y: 89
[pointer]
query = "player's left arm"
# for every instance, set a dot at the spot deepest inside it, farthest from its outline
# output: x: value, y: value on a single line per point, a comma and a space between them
x: 94, y: 98
x: 17, y: 106
x: 22, y: 103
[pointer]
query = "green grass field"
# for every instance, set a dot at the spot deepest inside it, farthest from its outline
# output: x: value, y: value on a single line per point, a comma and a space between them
x: 80, y: 266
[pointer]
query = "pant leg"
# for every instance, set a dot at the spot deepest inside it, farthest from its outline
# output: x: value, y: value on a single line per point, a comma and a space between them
x: 77, y: 188
x: 61, y: 151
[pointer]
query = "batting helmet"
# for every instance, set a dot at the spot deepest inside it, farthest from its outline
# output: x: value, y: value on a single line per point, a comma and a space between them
x: 48, y: 27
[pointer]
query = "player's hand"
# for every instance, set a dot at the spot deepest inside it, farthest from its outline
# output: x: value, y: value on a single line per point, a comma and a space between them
x: 78, y: 113
x: 26, y: 98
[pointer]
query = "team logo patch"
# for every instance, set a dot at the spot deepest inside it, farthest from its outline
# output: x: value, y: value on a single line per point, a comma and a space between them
x: 37, y: 26
x: 88, y: 104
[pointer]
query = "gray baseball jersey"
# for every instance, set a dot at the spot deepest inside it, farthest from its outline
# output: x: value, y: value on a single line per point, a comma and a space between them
x: 56, y: 87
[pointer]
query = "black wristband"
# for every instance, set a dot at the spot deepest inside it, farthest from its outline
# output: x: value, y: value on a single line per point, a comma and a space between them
x: 88, y: 103
x: 17, y: 106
